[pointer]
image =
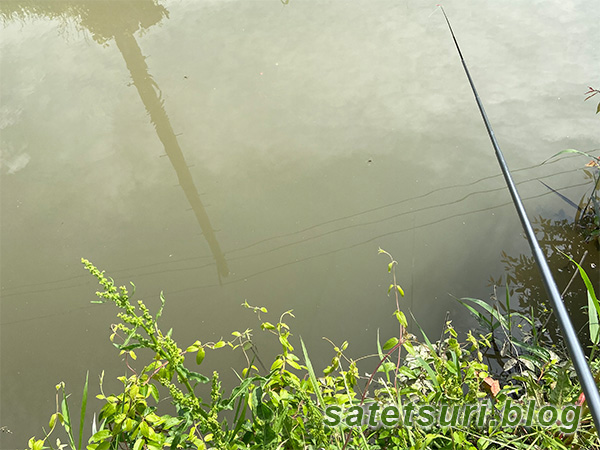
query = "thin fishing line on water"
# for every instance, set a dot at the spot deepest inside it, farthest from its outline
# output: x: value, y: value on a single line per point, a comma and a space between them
x: 131, y: 271
x: 7, y: 292
x: 245, y: 278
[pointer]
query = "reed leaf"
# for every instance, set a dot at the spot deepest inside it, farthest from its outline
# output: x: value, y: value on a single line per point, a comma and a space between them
x: 311, y: 375
x: 83, y: 408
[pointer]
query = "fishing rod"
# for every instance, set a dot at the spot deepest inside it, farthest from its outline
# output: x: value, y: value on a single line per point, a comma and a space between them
x: 588, y: 384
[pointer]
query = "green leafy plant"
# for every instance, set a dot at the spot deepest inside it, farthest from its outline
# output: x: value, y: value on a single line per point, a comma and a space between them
x: 283, y: 406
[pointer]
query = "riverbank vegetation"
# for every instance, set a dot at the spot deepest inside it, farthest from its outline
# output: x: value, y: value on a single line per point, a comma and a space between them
x: 283, y: 406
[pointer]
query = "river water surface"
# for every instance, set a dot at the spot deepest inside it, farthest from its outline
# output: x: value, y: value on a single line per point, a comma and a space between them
x: 223, y: 151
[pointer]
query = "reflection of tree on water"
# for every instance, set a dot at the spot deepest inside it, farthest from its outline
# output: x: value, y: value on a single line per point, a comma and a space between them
x: 524, y: 280
x: 119, y: 20
x: 146, y: 88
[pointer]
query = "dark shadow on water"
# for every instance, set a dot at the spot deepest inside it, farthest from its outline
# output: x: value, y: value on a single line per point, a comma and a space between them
x: 556, y: 237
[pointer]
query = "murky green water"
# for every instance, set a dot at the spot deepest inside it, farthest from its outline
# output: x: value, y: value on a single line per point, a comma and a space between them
x: 229, y: 151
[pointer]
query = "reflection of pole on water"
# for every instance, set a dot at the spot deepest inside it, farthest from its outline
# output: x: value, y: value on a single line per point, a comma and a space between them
x: 120, y: 20
x: 150, y: 95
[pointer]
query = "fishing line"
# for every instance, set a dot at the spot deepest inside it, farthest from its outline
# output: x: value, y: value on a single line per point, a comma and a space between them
x: 588, y: 384
x: 262, y: 272
x: 7, y: 290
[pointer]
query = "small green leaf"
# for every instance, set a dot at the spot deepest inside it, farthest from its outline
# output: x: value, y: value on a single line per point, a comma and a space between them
x: 400, y: 290
x: 277, y: 364
x: 194, y: 375
x: 104, y: 446
x: 100, y: 435
x: 138, y: 443
x: 219, y: 344
x: 391, y: 343
x: 154, y: 445
x: 162, y: 303
x: 145, y: 429
x: 200, y: 355
x: 401, y: 318
x: 154, y: 392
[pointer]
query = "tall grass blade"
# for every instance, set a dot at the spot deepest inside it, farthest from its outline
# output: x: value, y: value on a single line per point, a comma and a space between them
x: 493, y: 313
x: 593, y: 320
x: 67, y: 419
x: 311, y: 375
x: 508, y: 308
x: 594, y: 306
x: 427, y: 341
x: 83, y: 408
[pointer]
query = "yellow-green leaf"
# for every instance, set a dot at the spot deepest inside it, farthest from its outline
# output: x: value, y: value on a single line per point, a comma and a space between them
x: 391, y: 343
x: 200, y: 355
